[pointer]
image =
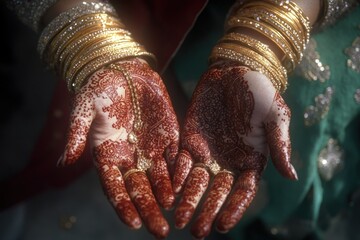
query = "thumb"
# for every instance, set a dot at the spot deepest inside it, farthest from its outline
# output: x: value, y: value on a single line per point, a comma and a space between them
x: 80, y: 121
x: 278, y: 137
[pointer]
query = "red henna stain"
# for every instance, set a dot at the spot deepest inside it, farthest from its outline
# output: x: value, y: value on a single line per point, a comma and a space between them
x: 114, y: 188
x: 217, y: 122
x: 183, y: 166
x: 193, y: 191
x: 140, y: 192
x: 244, y: 192
x: 220, y: 188
x: 113, y: 113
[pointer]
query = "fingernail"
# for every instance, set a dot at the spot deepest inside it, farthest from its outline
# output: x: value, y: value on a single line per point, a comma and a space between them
x: 136, y: 223
x: 293, y: 171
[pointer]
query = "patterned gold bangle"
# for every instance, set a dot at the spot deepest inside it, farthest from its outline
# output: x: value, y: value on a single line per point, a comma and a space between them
x: 279, y: 24
x: 289, y: 62
x: 278, y: 78
x: 254, y: 45
x: 85, y: 24
x: 261, y: 49
x: 251, y: 59
x: 101, y: 38
x: 77, y: 81
x: 283, y: 22
x: 88, y: 55
x: 65, y: 18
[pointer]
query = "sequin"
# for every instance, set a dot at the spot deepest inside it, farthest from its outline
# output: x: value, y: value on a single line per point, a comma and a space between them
x: 314, y: 113
x: 353, y: 53
x: 311, y: 66
x: 330, y: 160
x: 357, y: 96
x: 334, y: 9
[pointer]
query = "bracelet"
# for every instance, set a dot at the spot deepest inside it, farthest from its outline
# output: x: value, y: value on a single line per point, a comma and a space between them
x: 67, y: 17
x: 251, y: 59
x: 96, y: 64
x: 289, y: 60
x: 88, y: 43
x: 256, y: 46
x: 283, y: 22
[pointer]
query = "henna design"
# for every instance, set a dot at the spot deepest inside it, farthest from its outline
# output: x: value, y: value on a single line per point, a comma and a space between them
x: 195, y: 187
x: 220, y: 125
x: 244, y: 192
x: 140, y: 192
x: 219, y: 191
x: 103, y: 108
x: 277, y: 129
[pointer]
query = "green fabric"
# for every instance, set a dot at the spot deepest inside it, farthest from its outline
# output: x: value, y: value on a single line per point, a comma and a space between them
x: 307, y: 142
x: 310, y: 198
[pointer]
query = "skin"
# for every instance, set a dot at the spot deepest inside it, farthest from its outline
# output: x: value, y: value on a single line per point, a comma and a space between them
x: 254, y: 120
x: 235, y: 117
x: 103, y: 114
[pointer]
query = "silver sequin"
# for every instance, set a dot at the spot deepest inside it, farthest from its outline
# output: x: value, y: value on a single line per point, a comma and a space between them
x: 353, y: 53
x: 330, y: 160
x: 314, y: 113
x: 334, y: 9
x: 311, y: 66
x: 357, y: 96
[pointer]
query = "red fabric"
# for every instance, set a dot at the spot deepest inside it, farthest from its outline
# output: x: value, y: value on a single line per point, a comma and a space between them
x: 160, y: 25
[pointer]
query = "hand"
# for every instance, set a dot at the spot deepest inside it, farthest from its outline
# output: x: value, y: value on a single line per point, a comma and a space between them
x: 234, y: 119
x: 104, y: 110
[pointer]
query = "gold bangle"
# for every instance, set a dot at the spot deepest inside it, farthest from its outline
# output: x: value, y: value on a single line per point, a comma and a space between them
x: 278, y: 78
x: 271, y: 60
x: 252, y: 60
x: 289, y: 61
x: 77, y: 81
x: 104, y: 36
x: 78, y: 24
x: 254, y: 45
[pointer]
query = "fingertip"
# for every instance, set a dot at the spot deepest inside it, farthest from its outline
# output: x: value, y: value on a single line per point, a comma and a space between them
x: 200, y: 230
x: 221, y: 229
x: 221, y: 224
x: 182, y: 217
x: 159, y: 227
x: 135, y: 223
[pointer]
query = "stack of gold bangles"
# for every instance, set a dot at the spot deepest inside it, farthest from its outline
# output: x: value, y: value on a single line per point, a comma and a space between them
x: 283, y: 22
x: 84, y: 39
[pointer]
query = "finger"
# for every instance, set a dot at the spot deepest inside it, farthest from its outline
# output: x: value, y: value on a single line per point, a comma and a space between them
x: 278, y: 137
x: 80, y: 121
x: 195, y: 187
x: 244, y: 192
x: 161, y: 183
x: 114, y: 187
x: 170, y: 155
x: 219, y: 191
x: 140, y: 192
x: 183, y: 166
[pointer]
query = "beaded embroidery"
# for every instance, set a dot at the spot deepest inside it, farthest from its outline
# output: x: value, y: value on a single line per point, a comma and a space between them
x: 313, y: 114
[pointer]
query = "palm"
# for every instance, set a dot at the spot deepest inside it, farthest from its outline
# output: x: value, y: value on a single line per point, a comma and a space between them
x: 229, y: 122
x: 105, y: 108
